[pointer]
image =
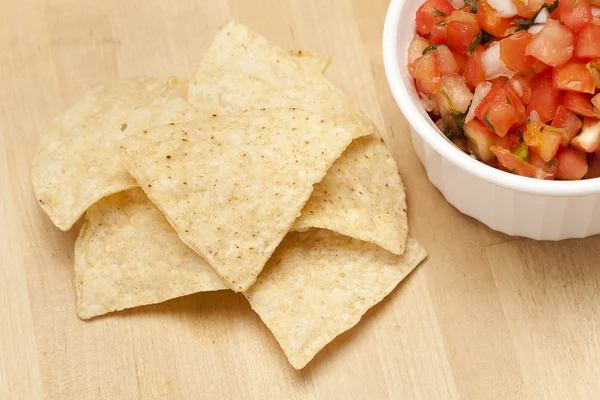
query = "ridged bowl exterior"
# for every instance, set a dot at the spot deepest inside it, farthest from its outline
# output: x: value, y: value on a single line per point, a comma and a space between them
x: 542, y: 210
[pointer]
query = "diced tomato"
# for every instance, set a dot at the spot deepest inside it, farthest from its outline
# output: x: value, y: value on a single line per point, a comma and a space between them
x: 539, y: 67
x: 575, y: 13
x: 454, y: 94
x: 579, y: 103
x: 461, y: 60
x: 572, y: 164
x: 448, y: 65
x: 516, y: 165
x: 554, y: 45
x: 462, y: 32
x: 574, y: 77
x: 438, y: 34
x: 541, y: 138
x: 415, y: 50
x: 426, y: 71
x: 509, y: 142
x: 491, y: 22
x: 544, y: 98
x: 431, y: 13
x: 527, y: 8
x: 593, y: 167
x: 474, y: 73
x: 549, y: 167
x: 499, y: 81
x: 589, y: 138
x: 569, y: 122
x: 520, y: 84
x: 498, y: 110
x: 480, y: 140
x: 587, y: 45
x: 512, y: 51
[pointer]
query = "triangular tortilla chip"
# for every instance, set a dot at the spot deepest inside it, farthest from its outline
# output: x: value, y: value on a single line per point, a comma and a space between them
x: 127, y: 255
x: 233, y: 185
x: 361, y: 196
x: 77, y: 163
x: 319, y: 284
x: 242, y: 70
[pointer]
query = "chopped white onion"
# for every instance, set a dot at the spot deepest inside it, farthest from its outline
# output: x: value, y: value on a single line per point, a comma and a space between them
x: 493, y: 65
x: 535, y: 29
x: 596, y: 11
x: 504, y: 8
x: 481, y: 91
x: 542, y: 17
x: 457, y: 4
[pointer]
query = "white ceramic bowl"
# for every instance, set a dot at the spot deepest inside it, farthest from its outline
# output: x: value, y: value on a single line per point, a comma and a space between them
x: 543, y: 210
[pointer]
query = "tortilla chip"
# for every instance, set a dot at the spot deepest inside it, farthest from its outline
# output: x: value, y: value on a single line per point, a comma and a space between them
x: 361, y: 196
x: 127, y: 255
x: 315, y: 63
x: 319, y: 284
x: 233, y: 187
x: 77, y: 163
x: 241, y: 70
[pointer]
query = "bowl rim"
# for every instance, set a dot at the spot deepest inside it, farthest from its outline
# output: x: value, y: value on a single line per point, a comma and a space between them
x: 446, y: 149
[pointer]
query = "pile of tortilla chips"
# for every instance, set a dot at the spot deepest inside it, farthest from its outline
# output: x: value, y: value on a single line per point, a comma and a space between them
x: 258, y: 176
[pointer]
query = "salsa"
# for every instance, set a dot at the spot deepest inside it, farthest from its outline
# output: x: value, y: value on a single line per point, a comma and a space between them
x: 514, y: 83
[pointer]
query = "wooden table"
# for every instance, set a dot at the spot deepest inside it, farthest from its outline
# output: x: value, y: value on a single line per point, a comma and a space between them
x: 486, y: 316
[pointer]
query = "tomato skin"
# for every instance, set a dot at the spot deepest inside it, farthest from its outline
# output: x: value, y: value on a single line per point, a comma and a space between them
x: 431, y: 13
x: 572, y: 164
x: 587, y: 45
x: 462, y: 31
x: 579, y: 103
x: 426, y: 71
x: 545, y: 99
x: 498, y: 110
x: 438, y: 34
x: 575, y: 13
x: 554, y: 45
x: 473, y: 73
x: 549, y: 167
x: 491, y: 22
x: 512, y: 51
x: 514, y: 164
x: 568, y: 121
x: 575, y: 77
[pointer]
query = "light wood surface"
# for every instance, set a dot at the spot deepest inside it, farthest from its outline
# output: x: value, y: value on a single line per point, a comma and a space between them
x: 485, y: 317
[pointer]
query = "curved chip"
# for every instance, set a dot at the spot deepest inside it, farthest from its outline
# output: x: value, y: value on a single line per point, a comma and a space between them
x: 319, y: 284
x: 127, y: 255
x: 362, y: 196
x: 77, y: 163
x: 233, y: 185
x: 242, y: 70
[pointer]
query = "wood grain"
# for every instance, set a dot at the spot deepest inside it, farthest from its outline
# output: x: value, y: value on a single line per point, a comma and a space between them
x: 485, y: 317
